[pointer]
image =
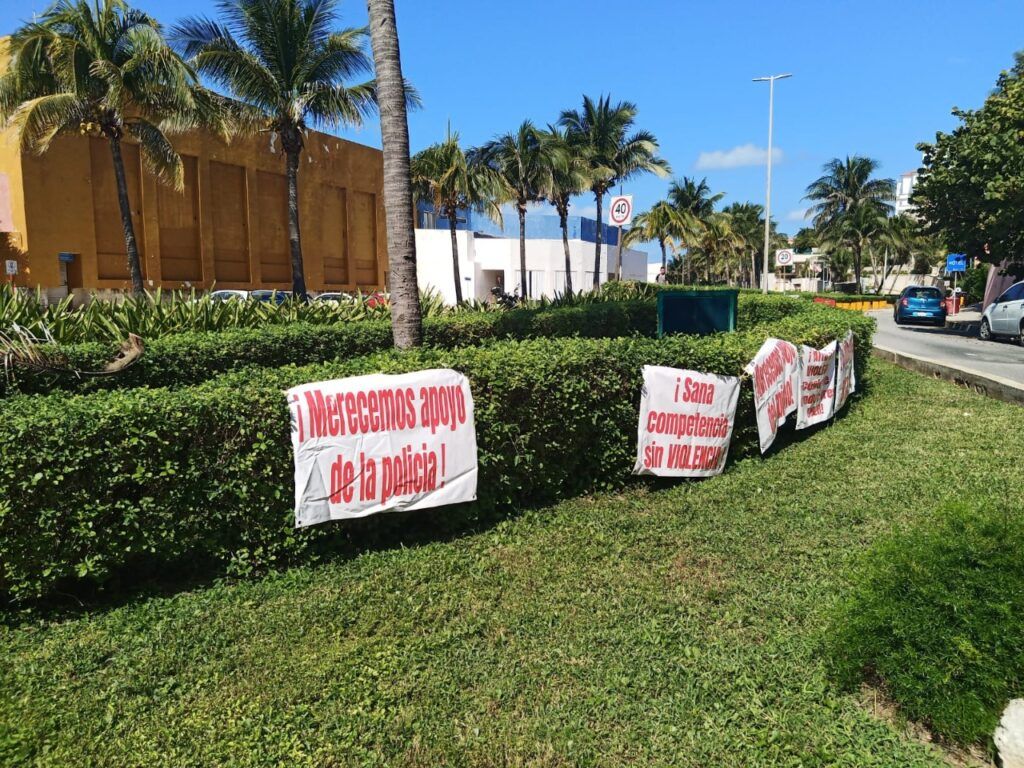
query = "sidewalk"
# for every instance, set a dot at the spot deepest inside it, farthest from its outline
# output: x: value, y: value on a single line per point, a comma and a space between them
x: 967, y: 319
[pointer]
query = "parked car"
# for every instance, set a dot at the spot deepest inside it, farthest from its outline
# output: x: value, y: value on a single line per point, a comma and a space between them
x: 335, y: 297
x: 226, y: 295
x: 1005, y: 315
x: 920, y: 304
x: 277, y: 297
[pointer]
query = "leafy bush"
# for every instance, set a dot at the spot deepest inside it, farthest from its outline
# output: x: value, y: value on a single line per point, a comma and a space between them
x: 191, y: 358
x: 937, y: 616
x: 99, y: 481
x: 973, y: 283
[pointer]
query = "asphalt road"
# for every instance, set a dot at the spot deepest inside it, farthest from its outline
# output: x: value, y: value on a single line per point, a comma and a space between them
x: 957, y: 349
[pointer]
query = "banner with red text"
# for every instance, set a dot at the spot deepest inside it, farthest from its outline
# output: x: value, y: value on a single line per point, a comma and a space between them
x: 774, y: 374
x: 686, y: 421
x: 846, y: 379
x: 367, y: 444
x: 817, y: 377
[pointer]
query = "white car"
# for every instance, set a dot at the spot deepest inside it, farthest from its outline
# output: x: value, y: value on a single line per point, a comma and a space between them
x: 225, y: 294
x: 1005, y: 315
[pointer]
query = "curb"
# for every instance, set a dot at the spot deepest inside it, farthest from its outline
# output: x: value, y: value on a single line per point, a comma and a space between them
x: 990, y: 386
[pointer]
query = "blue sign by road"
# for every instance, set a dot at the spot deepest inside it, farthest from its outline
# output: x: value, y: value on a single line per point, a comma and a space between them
x: 956, y: 262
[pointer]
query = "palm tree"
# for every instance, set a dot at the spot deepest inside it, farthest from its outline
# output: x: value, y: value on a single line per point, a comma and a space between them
x: 521, y: 162
x: 694, y: 197
x: 103, y: 68
x: 443, y: 175
x: 847, y: 190
x: 287, y: 65
x: 600, y: 133
x: 406, y: 313
x: 748, y: 224
x: 663, y: 222
x: 566, y: 177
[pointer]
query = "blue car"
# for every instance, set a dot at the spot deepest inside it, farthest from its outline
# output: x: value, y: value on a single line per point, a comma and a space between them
x: 920, y: 304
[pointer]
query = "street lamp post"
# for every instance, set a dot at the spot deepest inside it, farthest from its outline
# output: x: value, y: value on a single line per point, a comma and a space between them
x: 768, y: 193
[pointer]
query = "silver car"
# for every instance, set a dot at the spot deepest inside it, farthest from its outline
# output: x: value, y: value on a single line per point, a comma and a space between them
x: 1005, y: 315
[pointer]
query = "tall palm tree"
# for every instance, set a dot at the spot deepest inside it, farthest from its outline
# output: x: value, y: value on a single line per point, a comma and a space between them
x: 406, y: 313
x: 694, y: 197
x: 521, y: 161
x: 566, y: 177
x: 663, y: 222
x: 847, y: 190
x: 103, y: 68
x: 284, y: 61
x: 601, y: 133
x: 443, y: 175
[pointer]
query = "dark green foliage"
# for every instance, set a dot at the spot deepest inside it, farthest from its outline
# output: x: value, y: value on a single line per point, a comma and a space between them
x: 191, y: 358
x: 937, y: 617
x: 96, y: 481
x: 973, y: 283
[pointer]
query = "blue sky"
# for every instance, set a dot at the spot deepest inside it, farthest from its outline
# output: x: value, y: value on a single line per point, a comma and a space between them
x: 869, y: 77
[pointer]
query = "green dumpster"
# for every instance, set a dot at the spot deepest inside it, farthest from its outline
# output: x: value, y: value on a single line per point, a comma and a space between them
x: 697, y: 312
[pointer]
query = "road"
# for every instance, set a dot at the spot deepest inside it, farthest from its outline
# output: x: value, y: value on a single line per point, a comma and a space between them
x: 957, y: 349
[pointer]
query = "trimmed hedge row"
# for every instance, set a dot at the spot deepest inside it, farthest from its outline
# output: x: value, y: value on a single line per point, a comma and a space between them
x: 191, y: 358
x: 96, y: 483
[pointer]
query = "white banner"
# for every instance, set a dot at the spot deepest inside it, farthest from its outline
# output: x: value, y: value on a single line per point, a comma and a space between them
x: 817, y: 385
x: 846, y: 379
x: 367, y: 444
x: 686, y: 421
x: 774, y: 374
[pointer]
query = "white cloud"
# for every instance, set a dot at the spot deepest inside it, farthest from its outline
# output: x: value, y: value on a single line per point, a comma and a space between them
x: 738, y: 157
x: 798, y: 214
x: 586, y: 211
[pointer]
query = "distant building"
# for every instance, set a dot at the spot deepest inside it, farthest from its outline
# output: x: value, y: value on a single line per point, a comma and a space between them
x: 489, y: 255
x: 60, y: 223
x: 904, y: 188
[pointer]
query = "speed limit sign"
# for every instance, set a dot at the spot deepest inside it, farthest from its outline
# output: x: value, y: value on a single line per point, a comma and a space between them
x: 621, y: 211
x: 784, y: 257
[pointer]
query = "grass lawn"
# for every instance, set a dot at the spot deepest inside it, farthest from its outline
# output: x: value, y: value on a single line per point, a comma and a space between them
x: 674, y: 626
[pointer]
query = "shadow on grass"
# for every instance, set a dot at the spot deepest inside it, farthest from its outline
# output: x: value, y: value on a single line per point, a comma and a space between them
x: 145, y: 579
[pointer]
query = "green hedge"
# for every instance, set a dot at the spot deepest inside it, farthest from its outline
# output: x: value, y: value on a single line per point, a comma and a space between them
x: 937, y: 615
x: 194, y: 357
x: 100, y: 481
x: 191, y: 358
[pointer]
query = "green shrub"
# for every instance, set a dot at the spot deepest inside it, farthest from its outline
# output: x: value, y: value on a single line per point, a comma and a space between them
x: 99, y: 481
x: 973, y: 283
x: 191, y: 358
x: 936, y: 615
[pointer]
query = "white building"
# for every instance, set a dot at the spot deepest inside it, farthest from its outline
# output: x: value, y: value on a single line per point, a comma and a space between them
x: 487, y: 262
x: 904, y: 188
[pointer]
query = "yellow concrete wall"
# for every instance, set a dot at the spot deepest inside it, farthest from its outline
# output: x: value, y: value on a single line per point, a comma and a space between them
x: 228, y: 227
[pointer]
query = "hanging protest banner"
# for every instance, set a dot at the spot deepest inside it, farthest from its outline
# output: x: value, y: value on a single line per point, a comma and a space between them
x: 774, y: 374
x: 367, y: 444
x: 846, y: 379
x: 817, y: 377
x: 686, y: 421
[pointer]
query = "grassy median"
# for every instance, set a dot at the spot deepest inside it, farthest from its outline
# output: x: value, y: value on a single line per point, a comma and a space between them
x: 672, y: 625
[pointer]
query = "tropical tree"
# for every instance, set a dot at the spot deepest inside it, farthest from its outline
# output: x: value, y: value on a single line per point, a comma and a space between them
x: 848, y: 203
x: 566, y: 177
x: 406, y: 312
x: 748, y: 225
x: 971, y: 188
x: 103, y: 68
x: 285, y: 62
x: 662, y: 223
x: 694, y: 197
x: 521, y: 163
x: 601, y: 133
x: 443, y: 175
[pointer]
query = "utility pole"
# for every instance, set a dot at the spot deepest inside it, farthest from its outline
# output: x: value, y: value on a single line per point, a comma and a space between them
x: 768, y: 192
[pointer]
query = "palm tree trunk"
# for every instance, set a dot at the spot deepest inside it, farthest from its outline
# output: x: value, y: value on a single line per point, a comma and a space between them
x: 856, y: 265
x: 406, y: 317
x: 597, y: 248
x: 131, y: 246
x: 522, y: 251
x: 664, y: 257
x: 564, y: 220
x: 455, y: 257
x: 294, y: 240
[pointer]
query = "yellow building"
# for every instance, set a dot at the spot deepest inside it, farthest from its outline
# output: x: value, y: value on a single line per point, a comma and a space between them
x: 228, y: 226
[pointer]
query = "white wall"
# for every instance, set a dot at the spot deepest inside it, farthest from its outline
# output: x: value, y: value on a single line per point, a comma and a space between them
x: 483, y: 259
